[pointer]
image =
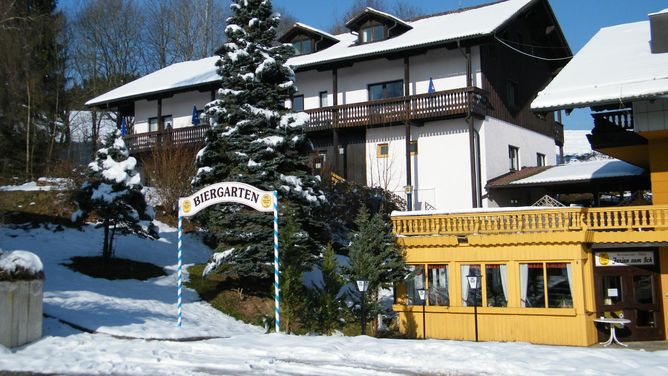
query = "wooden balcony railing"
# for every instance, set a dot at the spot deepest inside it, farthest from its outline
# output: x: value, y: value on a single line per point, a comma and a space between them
x: 441, y: 104
x: 177, y: 136
x: 621, y: 118
x: 629, y: 218
x: 438, y: 105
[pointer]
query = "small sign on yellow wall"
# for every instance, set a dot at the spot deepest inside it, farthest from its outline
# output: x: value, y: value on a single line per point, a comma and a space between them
x: 624, y: 258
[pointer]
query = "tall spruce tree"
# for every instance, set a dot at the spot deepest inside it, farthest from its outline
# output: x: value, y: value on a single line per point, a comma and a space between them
x: 113, y: 192
x: 255, y: 140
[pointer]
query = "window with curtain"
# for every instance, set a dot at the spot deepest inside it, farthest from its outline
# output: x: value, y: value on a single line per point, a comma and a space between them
x: 496, y: 285
x: 533, y: 286
x: 438, y: 285
x: 414, y: 282
x: 468, y: 296
x: 559, y: 285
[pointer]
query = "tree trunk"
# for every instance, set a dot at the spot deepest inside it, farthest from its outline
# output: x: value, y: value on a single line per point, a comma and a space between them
x: 111, y: 240
x: 28, y: 134
x: 106, y: 250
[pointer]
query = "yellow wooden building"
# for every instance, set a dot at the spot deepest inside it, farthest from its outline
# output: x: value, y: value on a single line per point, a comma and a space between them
x: 548, y: 273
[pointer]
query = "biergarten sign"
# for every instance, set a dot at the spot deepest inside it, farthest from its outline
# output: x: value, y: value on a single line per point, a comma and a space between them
x: 605, y: 259
x: 230, y: 192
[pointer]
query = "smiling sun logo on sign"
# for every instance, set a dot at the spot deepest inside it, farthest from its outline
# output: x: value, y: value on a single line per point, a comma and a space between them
x: 187, y: 206
x: 265, y: 201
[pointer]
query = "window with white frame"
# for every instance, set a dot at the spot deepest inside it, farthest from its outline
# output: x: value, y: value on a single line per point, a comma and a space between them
x: 514, y: 157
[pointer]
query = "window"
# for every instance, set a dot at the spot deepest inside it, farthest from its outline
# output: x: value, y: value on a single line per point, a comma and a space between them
x: 414, y: 282
x: 438, y: 285
x: 166, y: 122
x: 152, y: 124
x: 298, y: 103
x: 496, y: 285
x: 514, y: 156
x: 323, y: 99
x: 382, y: 150
x: 413, y: 147
x: 470, y: 297
x: 303, y: 46
x: 372, y: 33
x: 540, y: 159
x: 512, y: 94
x: 384, y: 90
x: 535, y: 292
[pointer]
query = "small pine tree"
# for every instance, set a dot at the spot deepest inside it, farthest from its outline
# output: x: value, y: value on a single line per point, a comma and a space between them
x: 113, y: 192
x: 375, y: 257
x: 326, y: 305
x: 295, y: 259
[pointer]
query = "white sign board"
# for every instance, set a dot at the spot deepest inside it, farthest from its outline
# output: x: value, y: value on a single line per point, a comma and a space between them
x: 624, y: 258
x: 238, y: 193
x: 422, y: 293
x: 362, y: 285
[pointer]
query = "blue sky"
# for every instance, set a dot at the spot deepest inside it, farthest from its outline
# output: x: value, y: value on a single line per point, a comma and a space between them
x: 579, y: 20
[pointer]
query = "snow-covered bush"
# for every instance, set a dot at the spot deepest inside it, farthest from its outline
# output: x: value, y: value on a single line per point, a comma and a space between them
x: 20, y: 266
x: 113, y: 192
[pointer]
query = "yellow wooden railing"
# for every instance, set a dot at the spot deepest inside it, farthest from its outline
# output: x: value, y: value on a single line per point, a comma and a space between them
x: 628, y: 218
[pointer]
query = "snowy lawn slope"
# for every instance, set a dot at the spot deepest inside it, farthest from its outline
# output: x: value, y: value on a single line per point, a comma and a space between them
x: 130, y: 308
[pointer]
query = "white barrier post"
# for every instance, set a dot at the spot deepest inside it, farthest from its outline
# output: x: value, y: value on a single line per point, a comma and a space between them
x: 276, y: 266
x: 180, y: 241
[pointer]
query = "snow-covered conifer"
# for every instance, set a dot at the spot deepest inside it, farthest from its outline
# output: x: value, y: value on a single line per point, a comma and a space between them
x: 254, y: 139
x: 113, y: 192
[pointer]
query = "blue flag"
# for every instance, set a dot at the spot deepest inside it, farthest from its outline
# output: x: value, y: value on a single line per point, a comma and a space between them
x: 195, y: 119
x: 124, y: 128
x: 431, y: 89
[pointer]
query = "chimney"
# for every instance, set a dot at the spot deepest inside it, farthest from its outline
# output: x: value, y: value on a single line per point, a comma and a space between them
x: 658, y: 24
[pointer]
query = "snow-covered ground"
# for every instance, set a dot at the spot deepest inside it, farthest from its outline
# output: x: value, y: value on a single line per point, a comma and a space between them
x: 134, y: 331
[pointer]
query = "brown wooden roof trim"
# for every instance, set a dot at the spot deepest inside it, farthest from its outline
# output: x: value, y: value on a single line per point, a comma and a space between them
x: 321, y: 40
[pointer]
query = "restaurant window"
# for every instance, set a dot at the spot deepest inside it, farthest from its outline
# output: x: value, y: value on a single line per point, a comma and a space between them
x: 533, y: 288
x: 469, y: 297
x: 298, y: 103
x: 514, y: 157
x: 303, y: 46
x: 413, y: 147
x: 496, y: 282
x: 323, y: 99
x: 390, y: 89
x: 540, y: 159
x: 383, y: 150
x: 438, y: 285
x: 414, y: 282
x: 372, y: 33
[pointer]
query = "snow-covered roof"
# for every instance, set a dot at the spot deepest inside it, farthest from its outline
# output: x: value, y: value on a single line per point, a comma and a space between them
x: 576, y: 142
x: 427, y: 31
x: 372, y: 11
x: 583, y: 171
x: 175, y: 76
x: 615, y: 65
x: 314, y: 30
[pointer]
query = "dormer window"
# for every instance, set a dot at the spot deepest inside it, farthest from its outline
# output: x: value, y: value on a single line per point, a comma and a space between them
x: 372, y: 33
x: 372, y: 26
x: 303, y: 46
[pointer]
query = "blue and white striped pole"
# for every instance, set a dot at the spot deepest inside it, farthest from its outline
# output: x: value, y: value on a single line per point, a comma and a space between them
x: 277, y: 309
x: 180, y: 241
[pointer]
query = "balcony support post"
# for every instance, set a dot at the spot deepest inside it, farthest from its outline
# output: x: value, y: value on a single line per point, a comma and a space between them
x: 335, y: 119
x: 407, y: 93
x: 471, y: 130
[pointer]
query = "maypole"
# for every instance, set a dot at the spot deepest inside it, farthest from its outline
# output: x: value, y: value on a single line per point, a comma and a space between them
x: 277, y: 308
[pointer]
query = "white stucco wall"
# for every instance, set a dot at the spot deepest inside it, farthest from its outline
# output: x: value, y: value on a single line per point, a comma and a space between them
x: 447, y: 68
x: 495, y: 138
x: 180, y: 106
x: 440, y: 170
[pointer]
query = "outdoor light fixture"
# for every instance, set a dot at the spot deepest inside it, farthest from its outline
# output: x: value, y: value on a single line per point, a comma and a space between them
x: 474, y: 284
x: 362, y: 286
x: 422, y: 293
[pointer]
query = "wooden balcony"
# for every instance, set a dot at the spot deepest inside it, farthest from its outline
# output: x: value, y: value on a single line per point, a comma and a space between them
x: 142, y: 142
x: 628, y: 220
x: 622, y: 119
x: 415, y: 108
